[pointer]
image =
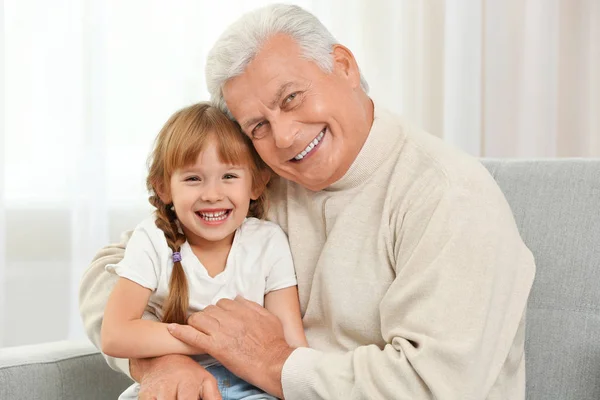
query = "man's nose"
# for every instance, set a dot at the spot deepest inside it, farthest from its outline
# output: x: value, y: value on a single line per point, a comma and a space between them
x: 212, y: 192
x: 284, y: 132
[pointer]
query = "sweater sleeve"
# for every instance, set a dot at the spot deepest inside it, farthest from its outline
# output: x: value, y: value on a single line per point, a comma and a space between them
x: 450, y: 317
x: 94, y: 290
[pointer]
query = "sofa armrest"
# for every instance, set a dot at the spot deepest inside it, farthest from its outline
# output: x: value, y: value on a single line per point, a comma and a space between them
x: 59, y: 370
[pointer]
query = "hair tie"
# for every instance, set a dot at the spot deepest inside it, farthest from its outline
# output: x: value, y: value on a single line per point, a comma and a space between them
x: 176, y: 256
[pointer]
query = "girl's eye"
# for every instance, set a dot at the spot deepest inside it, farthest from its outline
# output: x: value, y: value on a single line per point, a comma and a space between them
x: 229, y: 176
x: 192, y: 179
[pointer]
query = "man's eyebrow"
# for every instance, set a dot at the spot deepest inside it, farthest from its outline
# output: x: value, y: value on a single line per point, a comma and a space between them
x: 273, y: 103
x: 279, y: 94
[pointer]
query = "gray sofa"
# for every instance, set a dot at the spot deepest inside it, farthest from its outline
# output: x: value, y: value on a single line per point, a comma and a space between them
x: 557, y: 207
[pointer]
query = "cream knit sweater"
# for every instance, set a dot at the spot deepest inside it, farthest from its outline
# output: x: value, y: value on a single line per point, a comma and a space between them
x: 412, y: 276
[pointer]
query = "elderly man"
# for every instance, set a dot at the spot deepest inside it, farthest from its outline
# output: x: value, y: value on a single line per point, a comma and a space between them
x: 413, y: 279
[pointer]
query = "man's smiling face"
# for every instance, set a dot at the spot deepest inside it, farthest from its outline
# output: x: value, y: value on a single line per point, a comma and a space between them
x: 306, y: 124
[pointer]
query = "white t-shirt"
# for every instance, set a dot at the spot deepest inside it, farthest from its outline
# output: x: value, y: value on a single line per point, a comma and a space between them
x: 259, y: 261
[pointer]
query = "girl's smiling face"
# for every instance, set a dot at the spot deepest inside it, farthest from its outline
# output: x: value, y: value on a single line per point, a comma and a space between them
x: 211, y: 198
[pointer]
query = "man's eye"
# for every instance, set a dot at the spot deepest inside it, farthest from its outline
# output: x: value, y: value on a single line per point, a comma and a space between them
x: 290, y: 97
x: 259, y: 130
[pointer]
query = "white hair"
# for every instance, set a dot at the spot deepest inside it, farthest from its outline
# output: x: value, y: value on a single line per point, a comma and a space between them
x: 243, y: 39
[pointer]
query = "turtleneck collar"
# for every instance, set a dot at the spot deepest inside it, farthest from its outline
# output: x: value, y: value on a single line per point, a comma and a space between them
x: 385, y: 131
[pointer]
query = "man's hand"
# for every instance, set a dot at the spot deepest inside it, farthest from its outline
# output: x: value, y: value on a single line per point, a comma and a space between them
x: 173, y: 377
x: 246, y: 338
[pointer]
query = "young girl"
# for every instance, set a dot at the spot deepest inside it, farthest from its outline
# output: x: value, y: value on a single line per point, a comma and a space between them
x: 205, y: 242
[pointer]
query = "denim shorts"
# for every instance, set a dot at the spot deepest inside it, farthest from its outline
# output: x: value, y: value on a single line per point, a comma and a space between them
x: 230, y: 386
x: 234, y: 388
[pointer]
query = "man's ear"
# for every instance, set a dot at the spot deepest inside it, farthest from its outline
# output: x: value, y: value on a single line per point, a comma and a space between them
x: 345, y: 64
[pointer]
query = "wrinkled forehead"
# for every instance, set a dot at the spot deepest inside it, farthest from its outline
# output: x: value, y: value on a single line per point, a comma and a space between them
x: 279, y: 62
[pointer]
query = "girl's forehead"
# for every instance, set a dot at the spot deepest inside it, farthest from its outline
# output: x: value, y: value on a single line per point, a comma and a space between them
x: 212, y: 161
x: 214, y: 152
x: 217, y: 152
x: 213, y: 156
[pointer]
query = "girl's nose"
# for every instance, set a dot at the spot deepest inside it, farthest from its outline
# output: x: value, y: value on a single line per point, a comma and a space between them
x: 212, y: 192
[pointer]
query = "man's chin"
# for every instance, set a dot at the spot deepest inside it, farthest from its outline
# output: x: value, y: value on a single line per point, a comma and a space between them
x: 313, y: 179
x: 314, y: 184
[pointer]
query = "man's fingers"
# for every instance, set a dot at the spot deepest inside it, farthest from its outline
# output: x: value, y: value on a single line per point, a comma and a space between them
x: 190, y: 335
x: 215, y: 312
x: 204, y: 321
x: 227, y: 304
x: 252, y: 305
x: 167, y: 393
x: 188, y: 391
x: 164, y: 392
x: 210, y: 390
x: 239, y: 305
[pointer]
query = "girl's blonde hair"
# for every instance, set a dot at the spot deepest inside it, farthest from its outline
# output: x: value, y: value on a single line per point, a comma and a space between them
x: 178, y: 145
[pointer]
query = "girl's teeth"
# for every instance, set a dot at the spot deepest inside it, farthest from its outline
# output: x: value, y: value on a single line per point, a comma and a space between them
x: 218, y: 216
x: 214, y: 214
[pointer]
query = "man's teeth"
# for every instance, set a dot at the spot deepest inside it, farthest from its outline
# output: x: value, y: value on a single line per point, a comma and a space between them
x: 310, y: 146
x: 214, y: 216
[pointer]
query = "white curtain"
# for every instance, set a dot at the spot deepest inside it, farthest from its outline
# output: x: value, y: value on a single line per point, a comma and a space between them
x: 498, y: 78
x: 87, y: 85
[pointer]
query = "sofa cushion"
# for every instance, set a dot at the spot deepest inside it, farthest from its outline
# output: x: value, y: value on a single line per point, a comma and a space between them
x: 58, y: 371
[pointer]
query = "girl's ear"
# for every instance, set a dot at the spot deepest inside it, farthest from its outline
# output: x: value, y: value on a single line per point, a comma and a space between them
x: 257, y: 191
x: 164, y: 195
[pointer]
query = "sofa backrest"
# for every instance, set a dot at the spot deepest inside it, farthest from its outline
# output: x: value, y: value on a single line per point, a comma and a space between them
x: 66, y: 370
x: 556, y: 204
